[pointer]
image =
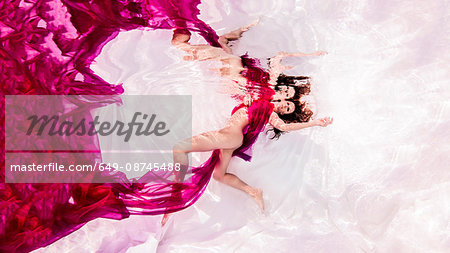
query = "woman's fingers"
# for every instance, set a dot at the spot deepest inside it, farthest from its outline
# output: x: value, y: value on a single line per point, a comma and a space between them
x: 326, y: 121
x: 319, y: 53
x: 282, y: 53
x: 288, y: 67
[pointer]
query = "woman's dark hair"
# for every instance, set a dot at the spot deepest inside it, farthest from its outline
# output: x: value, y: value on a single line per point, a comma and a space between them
x: 302, y: 86
x: 302, y: 82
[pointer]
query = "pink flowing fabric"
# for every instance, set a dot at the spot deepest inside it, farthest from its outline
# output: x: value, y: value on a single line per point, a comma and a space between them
x: 47, y: 48
x: 258, y: 114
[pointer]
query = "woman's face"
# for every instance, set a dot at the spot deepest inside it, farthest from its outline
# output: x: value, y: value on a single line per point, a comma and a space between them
x: 284, y: 107
x: 285, y: 91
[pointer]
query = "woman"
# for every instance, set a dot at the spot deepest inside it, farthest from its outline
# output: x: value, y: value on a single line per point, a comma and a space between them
x: 244, y: 71
x: 269, y: 97
x: 237, y: 136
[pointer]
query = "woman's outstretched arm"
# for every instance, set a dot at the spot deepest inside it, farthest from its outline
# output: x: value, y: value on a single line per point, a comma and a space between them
x: 278, y: 123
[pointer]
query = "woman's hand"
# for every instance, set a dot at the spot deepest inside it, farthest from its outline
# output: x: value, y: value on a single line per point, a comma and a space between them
x: 283, y: 54
x: 323, y: 122
x: 319, y: 53
x: 287, y: 67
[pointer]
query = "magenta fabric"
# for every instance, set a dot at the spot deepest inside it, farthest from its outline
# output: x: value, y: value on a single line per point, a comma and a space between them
x: 258, y: 115
x: 47, y: 48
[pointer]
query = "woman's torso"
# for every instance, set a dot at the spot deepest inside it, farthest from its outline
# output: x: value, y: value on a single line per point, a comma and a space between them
x: 237, y: 122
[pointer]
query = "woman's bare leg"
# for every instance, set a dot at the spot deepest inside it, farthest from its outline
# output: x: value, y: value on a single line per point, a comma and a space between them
x: 200, y: 143
x: 220, y: 174
x: 205, y: 142
x: 234, y: 35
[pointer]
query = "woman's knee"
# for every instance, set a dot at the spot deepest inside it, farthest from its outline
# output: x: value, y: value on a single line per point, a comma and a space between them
x: 180, y: 36
x: 218, y: 176
x: 181, y: 147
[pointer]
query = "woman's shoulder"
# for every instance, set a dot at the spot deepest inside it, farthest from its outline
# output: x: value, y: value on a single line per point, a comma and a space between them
x: 239, y: 108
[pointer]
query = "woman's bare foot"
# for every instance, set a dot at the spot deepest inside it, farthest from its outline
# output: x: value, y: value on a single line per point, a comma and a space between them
x: 252, y: 24
x: 234, y: 35
x: 165, y: 219
x: 257, y: 194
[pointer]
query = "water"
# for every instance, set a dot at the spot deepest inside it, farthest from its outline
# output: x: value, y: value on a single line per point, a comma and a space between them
x: 377, y: 180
